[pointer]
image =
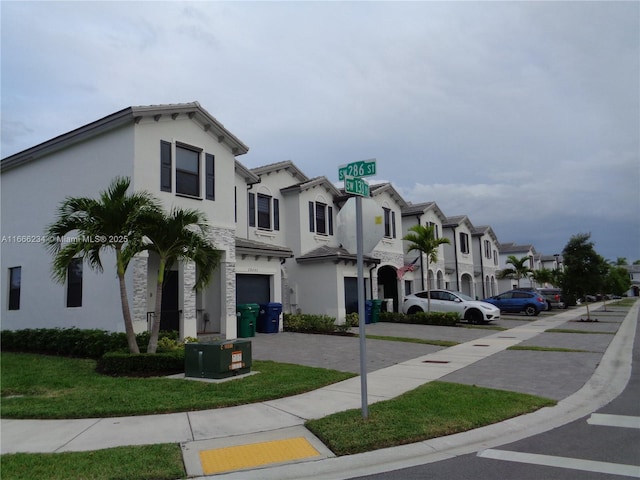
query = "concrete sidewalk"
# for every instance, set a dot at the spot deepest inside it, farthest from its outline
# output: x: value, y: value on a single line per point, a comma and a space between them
x: 278, y: 420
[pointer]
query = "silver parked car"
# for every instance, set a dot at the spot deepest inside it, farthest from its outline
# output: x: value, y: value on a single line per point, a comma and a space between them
x: 471, y: 310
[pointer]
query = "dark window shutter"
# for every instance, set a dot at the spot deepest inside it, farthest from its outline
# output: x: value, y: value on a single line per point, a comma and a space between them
x: 276, y: 214
x: 330, y: 215
x: 312, y: 216
x: 393, y: 223
x: 165, y: 166
x: 210, y: 177
x: 252, y: 209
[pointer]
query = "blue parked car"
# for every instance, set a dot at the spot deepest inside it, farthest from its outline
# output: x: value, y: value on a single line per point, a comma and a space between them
x: 516, y: 301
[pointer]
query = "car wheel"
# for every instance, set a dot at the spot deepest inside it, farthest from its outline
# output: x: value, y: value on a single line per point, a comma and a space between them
x: 548, y: 305
x: 414, y: 309
x: 474, y: 317
x: 530, y: 311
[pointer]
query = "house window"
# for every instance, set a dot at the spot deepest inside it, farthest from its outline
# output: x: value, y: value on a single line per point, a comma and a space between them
x: 320, y: 218
x: 495, y: 257
x: 464, y: 242
x: 264, y: 212
x: 74, y: 283
x: 389, y: 223
x: 187, y: 171
x: 15, y: 281
x: 487, y: 249
x: 267, y: 209
x: 436, y: 234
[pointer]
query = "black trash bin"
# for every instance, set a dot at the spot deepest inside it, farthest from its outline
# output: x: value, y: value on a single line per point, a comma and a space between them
x: 269, y: 317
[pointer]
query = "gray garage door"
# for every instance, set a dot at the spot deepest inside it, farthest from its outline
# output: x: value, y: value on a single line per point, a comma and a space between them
x: 253, y: 289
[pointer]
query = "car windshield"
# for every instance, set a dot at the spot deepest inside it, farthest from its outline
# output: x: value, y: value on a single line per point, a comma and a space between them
x: 464, y: 297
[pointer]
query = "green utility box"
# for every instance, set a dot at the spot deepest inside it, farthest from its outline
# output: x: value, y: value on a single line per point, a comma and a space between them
x: 247, y: 314
x: 220, y: 359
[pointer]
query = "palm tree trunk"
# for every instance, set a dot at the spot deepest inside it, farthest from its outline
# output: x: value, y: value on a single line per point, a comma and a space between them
x: 126, y: 313
x: 428, y: 288
x: 155, y: 328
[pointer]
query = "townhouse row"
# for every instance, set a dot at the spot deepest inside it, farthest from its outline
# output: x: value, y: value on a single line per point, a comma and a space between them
x: 276, y: 229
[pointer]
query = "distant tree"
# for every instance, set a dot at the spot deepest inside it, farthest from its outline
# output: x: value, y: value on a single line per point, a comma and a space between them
x: 106, y: 223
x: 423, y: 239
x: 178, y: 236
x: 519, y: 269
x: 637, y: 262
x: 621, y: 261
x: 617, y: 281
x: 584, y: 269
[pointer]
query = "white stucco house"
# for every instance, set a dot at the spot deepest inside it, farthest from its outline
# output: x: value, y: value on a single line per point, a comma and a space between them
x: 182, y: 155
x: 278, y: 231
x: 486, y: 262
x: 458, y: 254
x: 518, y: 251
x: 417, y: 277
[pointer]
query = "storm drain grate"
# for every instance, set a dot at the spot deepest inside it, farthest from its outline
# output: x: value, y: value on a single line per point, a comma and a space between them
x: 436, y: 361
x: 504, y: 336
x: 481, y: 345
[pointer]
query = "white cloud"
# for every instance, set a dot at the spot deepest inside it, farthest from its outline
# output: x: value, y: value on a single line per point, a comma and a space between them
x: 498, y: 110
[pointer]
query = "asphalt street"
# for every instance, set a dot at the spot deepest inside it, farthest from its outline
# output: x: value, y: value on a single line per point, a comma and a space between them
x: 600, y: 446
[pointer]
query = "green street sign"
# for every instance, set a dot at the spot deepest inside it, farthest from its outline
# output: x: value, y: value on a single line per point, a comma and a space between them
x: 356, y: 186
x: 362, y: 168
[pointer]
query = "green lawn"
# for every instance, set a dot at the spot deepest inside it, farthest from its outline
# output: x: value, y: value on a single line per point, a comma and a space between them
x: 39, y: 386
x: 157, y: 462
x: 431, y: 410
x: 36, y: 386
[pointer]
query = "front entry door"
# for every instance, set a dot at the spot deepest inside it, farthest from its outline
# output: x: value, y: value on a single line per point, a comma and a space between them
x: 170, y: 319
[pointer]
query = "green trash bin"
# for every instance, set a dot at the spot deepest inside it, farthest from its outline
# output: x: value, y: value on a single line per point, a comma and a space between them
x: 375, y: 310
x: 247, y: 314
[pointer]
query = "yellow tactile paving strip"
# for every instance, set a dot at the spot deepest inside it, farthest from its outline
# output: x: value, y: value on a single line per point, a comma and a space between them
x: 227, y: 459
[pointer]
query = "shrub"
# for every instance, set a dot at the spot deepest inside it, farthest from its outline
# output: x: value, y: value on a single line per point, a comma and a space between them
x: 305, y: 323
x: 142, y: 365
x: 74, y: 342
x: 63, y: 341
x: 434, y: 318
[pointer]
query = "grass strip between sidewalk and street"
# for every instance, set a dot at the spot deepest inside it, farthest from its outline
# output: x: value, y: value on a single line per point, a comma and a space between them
x: 439, y: 343
x: 547, y: 349
x: 432, y: 410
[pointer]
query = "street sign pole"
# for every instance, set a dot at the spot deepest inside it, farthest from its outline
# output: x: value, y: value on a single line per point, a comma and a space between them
x: 353, y: 183
x: 361, y: 310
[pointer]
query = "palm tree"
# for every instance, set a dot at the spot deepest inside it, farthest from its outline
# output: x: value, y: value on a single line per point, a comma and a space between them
x: 177, y: 236
x: 423, y: 239
x: 106, y: 223
x: 519, y: 270
x: 543, y: 276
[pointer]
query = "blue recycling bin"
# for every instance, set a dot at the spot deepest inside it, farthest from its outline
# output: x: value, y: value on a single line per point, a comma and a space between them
x: 269, y: 317
x: 368, y: 311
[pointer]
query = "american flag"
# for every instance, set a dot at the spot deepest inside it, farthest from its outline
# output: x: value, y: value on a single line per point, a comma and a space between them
x: 407, y: 268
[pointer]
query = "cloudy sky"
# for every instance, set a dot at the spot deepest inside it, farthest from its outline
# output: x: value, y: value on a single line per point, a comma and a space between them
x: 522, y: 115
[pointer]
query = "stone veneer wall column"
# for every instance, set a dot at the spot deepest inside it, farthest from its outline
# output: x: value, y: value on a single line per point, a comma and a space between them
x: 225, y: 240
x: 139, y: 267
x: 188, y: 322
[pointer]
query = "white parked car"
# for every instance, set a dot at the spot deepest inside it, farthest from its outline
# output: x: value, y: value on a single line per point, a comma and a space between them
x: 471, y: 310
